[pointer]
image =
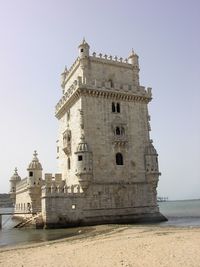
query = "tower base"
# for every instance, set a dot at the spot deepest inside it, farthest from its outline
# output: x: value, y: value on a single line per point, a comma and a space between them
x: 149, y: 218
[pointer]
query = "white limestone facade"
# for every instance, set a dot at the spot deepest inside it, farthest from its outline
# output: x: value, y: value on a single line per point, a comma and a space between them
x: 108, y: 166
x: 104, y: 149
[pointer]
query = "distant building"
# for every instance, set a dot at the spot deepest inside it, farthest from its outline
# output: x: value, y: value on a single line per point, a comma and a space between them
x: 107, y: 162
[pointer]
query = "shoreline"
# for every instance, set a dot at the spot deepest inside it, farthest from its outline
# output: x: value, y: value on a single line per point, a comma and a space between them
x: 108, y: 245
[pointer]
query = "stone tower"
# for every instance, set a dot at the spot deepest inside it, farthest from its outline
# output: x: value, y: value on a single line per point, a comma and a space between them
x: 34, y: 183
x: 15, y: 178
x: 103, y: 143
x: 26, y: 192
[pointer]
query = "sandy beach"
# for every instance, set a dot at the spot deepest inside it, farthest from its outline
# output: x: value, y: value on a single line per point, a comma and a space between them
x: 113, y: 246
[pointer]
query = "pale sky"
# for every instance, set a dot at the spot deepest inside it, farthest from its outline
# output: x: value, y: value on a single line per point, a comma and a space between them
x: 38, y: 38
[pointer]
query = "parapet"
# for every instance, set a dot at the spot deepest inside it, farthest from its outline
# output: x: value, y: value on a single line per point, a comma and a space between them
x: 131, y: 62
x: 110, y: 59
x: 103, y: 86
x: 62, y: 190
x: 49, y: 179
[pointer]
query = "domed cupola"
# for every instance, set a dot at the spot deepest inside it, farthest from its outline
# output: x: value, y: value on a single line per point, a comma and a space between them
x: 151, y: 159
x: 82, y: 145
x: 14, y: 179
x: 35, y: 164
x: 83, y: 163
x: 34, y: 171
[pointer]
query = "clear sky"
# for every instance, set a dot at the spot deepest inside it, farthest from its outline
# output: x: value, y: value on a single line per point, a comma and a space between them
x: 38, y: 38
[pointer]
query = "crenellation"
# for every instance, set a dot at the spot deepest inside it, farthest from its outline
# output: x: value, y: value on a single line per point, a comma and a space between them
x: 111, y: 59
x: 61, y: 190
x: 96, y: 85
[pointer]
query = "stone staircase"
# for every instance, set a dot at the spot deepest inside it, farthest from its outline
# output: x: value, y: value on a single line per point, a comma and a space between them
x: 35, y: 221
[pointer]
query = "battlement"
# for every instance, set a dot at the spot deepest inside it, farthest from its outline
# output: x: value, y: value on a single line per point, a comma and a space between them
x: 110, y: 59
x: 52, y: 190
x: 56, y: 186
x: 118, y: 61
x: 104, y: 86
x: 84, y: 60
x: 68, y: 73
x: 49, y: 179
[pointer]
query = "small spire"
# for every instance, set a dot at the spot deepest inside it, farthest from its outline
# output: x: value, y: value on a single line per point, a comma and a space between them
x: 82, y: 136
x: 35, y: 156
x: 84, y: 44
x: 15, y: 171
x: 132, y: 54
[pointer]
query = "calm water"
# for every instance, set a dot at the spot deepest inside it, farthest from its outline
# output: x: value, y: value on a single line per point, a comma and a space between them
x: 179, y: 213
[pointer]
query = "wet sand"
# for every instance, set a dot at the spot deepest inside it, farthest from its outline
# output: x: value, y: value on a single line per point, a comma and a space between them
x: 110, y: 245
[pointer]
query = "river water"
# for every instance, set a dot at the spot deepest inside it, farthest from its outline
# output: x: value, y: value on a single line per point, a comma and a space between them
x: 179, y: 213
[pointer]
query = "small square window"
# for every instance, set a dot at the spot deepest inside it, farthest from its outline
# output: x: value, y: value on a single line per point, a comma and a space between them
x: 73, y: 206
x: 81, y: 49
x: 80, y: 158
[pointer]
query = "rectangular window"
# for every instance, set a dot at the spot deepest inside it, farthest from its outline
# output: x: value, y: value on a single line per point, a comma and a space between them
x: 30, y: 174
x: 73, y: 206
x: 80, y: 158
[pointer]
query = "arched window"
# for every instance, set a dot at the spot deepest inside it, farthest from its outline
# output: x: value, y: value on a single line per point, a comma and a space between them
x: 117, y: 131
x: 118, y: 107
x: 119, y: 159
x: 113, y: 107
x: 68, y: 164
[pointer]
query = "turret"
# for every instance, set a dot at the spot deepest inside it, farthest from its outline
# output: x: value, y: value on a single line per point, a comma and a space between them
x: 14, y: 179
x: 63, y: 77
x: 84, y: 49
x: 151, y: 160
x: 34, y: 172
x: 133, y: 59
x: 83, y: 163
